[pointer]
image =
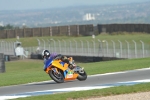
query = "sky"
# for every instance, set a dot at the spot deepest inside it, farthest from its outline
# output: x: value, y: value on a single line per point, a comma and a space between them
x: 43, y: 4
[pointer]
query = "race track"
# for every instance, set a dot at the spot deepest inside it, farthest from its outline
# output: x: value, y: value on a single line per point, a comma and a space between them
x: 94, y: 80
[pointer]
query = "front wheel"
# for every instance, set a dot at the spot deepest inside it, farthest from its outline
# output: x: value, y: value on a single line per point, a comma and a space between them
x: 56, y: 76
x: 82, y: 75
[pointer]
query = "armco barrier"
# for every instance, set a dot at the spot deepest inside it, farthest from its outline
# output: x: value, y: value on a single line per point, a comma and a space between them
x: 36, y: 56
x: 84, y: 59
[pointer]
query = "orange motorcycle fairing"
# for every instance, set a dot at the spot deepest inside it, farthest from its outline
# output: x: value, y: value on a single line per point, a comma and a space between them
x: 69, y: 77
x: 48, y: 69
x: 56, y: 64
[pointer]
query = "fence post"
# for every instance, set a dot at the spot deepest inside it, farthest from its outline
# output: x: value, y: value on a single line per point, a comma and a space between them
x: 76, y: 46
x: 114, y: 47
x: 59, y: 46
x: 54, y: 46
x: 120, y: 48
x: 2, y: 46
x: 7, y: 47
x: 48, y: 44
x: 44, y: 43
x: 93, y: 47
x: 106, y: 43
x: 69, y: 30
x: 78, y: 30
x: 11, y: 47
x: 143, y: 48
x: 38, y: 42
x: 50, y: 31
x: 65, y: 46
x: 88, y: 46
x: 106, y: 47
x: 70, y: 47
x: 100, y: 47
x: 127, y: 47
x: 82, y: 46
x: 135, y: 49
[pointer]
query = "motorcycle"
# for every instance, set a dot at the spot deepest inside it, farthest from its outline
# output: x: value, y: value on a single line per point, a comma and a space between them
x: 59, y: 71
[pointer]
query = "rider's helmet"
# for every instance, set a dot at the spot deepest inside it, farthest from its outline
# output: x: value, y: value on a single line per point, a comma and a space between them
x: 45, y: 54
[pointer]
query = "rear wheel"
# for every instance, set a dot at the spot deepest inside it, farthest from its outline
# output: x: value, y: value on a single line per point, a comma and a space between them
x: 56, y: 76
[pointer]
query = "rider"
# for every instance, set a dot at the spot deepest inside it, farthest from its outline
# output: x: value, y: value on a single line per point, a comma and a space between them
x: 46, y: 55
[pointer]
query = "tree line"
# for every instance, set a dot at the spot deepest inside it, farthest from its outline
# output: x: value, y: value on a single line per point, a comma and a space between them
x: 9, y: 27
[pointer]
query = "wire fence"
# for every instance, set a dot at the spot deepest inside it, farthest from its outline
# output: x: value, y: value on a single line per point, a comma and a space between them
x: 7, y: 47
x: 97, y: 48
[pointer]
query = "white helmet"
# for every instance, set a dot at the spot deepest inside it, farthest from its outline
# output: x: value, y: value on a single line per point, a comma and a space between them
x: 45, y: 53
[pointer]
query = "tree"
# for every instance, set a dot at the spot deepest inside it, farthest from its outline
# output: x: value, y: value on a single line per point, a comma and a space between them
x: 8, y: 26
x: 2, y: 28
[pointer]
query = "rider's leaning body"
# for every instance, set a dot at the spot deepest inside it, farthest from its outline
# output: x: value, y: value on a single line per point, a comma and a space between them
x: 46, y: 55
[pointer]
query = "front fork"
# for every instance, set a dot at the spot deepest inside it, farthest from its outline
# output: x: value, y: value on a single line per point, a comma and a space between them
x: 55, y: 70
x: 79, y: 70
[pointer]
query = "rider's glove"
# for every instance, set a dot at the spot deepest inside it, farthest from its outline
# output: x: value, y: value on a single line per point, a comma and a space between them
x: 45, y: 69
x: 65, y: 58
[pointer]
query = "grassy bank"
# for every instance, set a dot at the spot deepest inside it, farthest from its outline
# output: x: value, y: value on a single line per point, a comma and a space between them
x: 93, y: 93
x: 122, y: 36
x: 27, y: 71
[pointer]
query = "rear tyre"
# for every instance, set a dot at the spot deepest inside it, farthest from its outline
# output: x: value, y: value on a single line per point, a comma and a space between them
x: 57, y: 77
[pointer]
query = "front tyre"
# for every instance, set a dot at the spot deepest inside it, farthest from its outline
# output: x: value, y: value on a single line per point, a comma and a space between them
x: 57, y: 77
x: 82, y: 76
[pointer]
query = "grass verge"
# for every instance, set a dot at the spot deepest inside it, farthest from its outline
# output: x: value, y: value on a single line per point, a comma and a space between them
x: 93, y: 93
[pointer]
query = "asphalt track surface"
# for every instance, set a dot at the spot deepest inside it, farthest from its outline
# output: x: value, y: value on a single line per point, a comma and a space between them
x: 93, y: 80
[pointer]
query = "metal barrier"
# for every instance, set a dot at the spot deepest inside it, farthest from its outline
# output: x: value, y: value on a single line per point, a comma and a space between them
x: 95, y: 48
x: 7, y: 47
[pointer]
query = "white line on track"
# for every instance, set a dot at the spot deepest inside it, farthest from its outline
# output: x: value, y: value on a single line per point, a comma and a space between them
x: 72, y: 89
x: 120, y: 72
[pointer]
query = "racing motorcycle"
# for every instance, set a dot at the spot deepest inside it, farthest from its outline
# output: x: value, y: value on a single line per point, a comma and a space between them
x: 59, y: 71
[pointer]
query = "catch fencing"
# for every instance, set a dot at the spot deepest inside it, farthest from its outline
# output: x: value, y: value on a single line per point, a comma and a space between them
x: 97, y: 48
x: 94, y: 47
x: 7, y: 47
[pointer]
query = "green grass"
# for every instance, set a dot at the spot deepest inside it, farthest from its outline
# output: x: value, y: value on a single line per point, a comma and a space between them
x: 23, y: 71
x: 114, y: 66
x: 27, y: 71
x: 93, y: 93
x: 122, y: 36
